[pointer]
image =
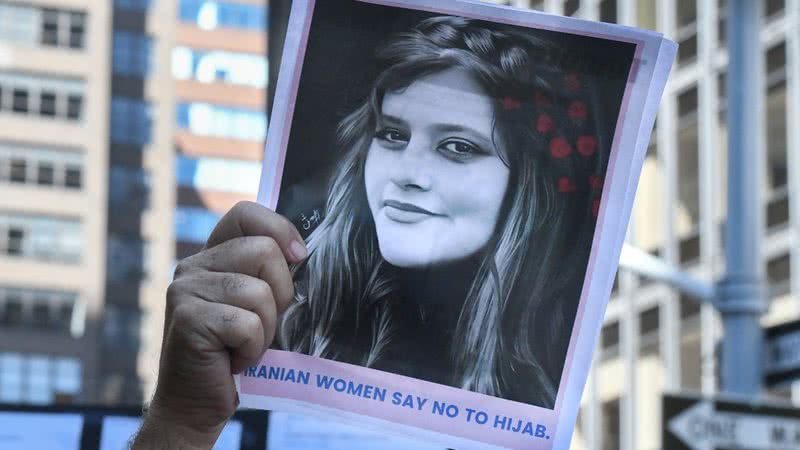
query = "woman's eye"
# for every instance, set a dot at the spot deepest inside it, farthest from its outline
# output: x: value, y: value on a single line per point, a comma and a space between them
x: 460, y: 150
x: 391, y: 135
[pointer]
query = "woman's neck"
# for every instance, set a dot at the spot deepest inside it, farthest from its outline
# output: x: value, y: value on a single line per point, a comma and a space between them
x: 438, y: 292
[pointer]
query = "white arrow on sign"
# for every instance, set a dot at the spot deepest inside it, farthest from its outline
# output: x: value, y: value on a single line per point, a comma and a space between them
x: 702, y: 428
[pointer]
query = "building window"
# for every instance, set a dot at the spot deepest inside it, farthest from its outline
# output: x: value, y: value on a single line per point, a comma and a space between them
x: 649, y: 322
x: 219, y: 66
x: 62, y: 28
x: 194, y: 225
x: 210, y: 14
x: 50, y: 27
x: 126, y: 259
x: 571, y: 7
x: 773, y: 8
x: 44, y: 309
x: 19, y: 171
x: 132, y: 54
x: 217, y: 174
x: 38, y: 379
x: 611, y: 424
x: 130, y: 121
x: 43, y: 238
x: 73, y: 176
x: 44, y: 166
x: 47, y: 103
x: 77, y: 29
x: 60, y: 98
x: 74, y: 107
x: 20, y: 24
x: 141, y: 5
x: 15, y: 243
x: 19, y: 101
x: 779, y: 272
x: 121, y: 327
x: 128, y: 185
x: 213, y: 120
x: 609, y: 340
x: 608, y: 11
x: 46, y: 174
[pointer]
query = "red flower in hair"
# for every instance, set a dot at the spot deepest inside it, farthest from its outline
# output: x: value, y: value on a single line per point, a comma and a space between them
x: 560, y: 148
x: 586, y: 145
x: 577, y: 110
x: 595, y: 207
x: 510, y: 103
x: 565, y: 184
x: 545, y: 123
x: 572, y: 81
x: 541, y: 99
x: 595, y: 182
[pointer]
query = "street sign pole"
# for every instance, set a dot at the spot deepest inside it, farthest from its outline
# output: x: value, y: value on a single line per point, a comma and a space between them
x: 739, y: 295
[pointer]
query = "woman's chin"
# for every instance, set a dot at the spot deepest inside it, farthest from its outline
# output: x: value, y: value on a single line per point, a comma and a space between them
x: 405, y: 259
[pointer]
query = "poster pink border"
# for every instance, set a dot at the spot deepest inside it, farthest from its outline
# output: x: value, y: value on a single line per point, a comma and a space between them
x: 646, y: 82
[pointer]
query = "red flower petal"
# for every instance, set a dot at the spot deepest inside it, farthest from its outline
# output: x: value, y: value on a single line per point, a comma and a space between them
x: 545, y: 123
x: 510, y: 103
x: 560, y: 148
x: 595, y: 182
x: 565, y: 184
x: 586, y: 145
x: 577, y: 110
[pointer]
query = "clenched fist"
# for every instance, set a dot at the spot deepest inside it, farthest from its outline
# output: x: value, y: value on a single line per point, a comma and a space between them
x: 222, y: 310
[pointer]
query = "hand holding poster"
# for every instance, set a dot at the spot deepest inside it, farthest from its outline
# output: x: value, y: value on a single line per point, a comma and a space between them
x: 463, y: 174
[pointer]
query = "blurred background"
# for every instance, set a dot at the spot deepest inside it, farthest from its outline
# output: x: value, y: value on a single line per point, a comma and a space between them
x: 129, y: 127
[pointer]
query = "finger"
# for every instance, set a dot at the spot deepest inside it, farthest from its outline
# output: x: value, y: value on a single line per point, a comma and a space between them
x: 217, y: 327
x: 256, y: 256
x: 252, y: 219
x: 235, y: 289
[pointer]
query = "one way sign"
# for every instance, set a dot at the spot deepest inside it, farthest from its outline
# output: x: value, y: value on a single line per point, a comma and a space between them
x: 697, y: 423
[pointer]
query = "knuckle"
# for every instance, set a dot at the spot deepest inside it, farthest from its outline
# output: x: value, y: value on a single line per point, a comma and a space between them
x: 233, y: 284
x: 181, y: 269
x: 241, y: 207
x: 268, y: 247
x: 184, y: 315
x: 264, y: 292
x: 175, y: 291
x: 250, y: 322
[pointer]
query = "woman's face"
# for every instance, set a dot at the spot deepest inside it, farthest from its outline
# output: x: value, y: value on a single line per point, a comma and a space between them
x: 434, y: 179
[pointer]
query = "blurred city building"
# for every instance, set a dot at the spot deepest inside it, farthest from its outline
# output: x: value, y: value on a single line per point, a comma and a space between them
x: 654, y: 339
x: 54, y: 100
x: 127, y: 129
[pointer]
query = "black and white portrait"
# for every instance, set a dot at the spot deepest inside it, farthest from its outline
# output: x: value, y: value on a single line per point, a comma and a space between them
x: 447, y: 174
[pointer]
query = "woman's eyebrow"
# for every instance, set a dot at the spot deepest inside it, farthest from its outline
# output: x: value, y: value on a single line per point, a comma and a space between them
x: 391, y: 119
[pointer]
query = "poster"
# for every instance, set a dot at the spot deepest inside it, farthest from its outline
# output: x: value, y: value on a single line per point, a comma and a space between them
x: 463, y: 174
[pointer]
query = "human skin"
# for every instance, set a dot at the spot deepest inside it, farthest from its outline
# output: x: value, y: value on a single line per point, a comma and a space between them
x: 221, y: 313
x: 433, y: 175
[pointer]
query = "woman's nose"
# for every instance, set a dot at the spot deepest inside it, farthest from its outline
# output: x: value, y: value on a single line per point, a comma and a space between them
x: 412, y: 169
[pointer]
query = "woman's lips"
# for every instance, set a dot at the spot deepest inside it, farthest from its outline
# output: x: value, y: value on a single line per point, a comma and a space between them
x: 406, y: 212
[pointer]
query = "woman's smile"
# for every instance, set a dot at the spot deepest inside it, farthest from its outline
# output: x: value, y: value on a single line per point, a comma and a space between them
x: 407, y: 212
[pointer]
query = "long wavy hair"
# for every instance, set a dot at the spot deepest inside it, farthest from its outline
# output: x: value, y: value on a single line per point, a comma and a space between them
x: 513, y: 328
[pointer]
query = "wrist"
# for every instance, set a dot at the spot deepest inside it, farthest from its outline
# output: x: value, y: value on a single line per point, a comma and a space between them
x: 163, y: 428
